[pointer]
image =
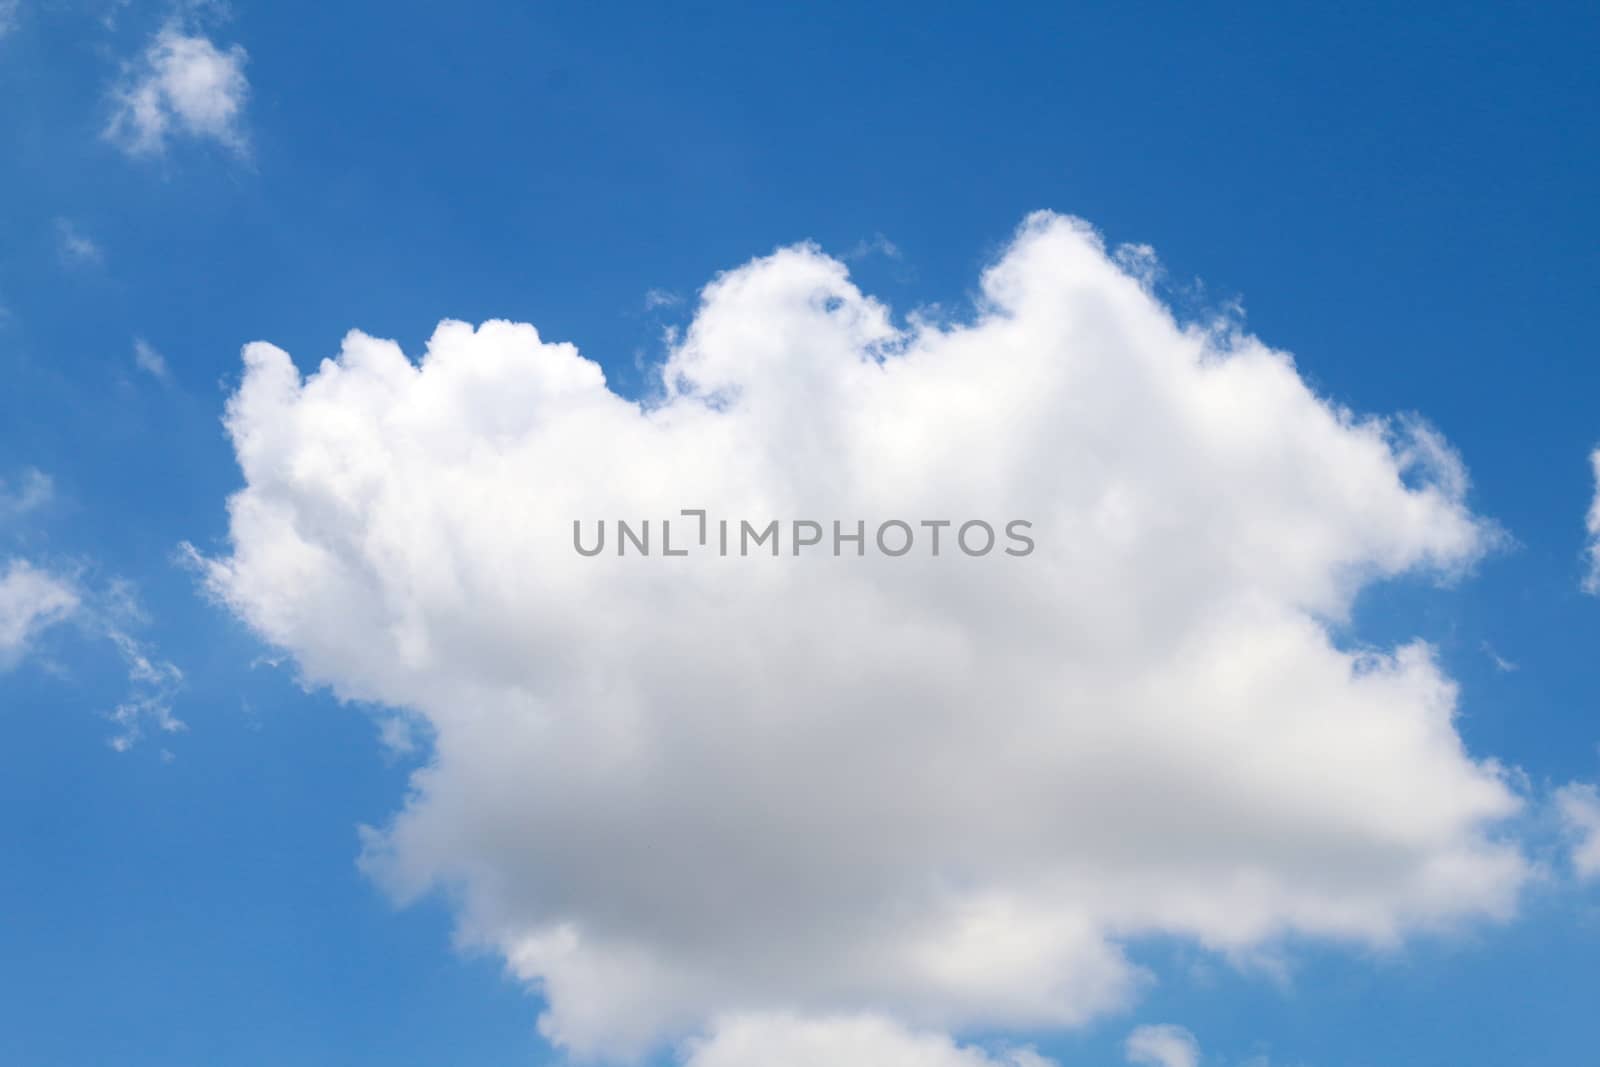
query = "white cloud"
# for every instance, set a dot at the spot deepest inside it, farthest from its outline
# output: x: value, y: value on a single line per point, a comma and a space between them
x: 878, y: 245
x: 1162, y: 1046
x: 1579, y: 807
x: 149, y: 360
x: 77, y: 248
x: 182, y: 85
x: 852, y: 1041
x: 661, y: 298
x: 35, y: 597
x: 153, y: 685
x: 1501, y: 664
x: 153, y: 682
x: 31, y: 600
x: 1591, y: 581
x: 34, y: 490
x: 671, y: 791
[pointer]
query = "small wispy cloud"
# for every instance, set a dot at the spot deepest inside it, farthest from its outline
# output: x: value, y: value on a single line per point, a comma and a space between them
x: 1579, y: 808
x: 154, y: 683
x: 661, y: 298
x: 182, y: 85
x: 29, y: 492
x: 77, y: 249
x: 152, y: 362
x: 1162, y: 1046
x: 1501, y: 664
x: 36, y: 597
x: 876, y: 245
x: 9, y: 10
x: 32, y: 600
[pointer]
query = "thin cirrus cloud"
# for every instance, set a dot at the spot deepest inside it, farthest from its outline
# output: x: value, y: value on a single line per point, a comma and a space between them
x: 76, y: 248
x: 37, y: 596
x: 148, y: 359
x: 182, y: 85
x: 697, y: 797
x: 153, y: 685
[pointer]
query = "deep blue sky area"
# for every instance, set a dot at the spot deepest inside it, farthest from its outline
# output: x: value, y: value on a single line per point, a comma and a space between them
x: 1401, y: 195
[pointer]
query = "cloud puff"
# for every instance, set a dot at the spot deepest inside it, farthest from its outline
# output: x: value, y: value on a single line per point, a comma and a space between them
x: 1579, y: 808
x: 31, y: 600
x: 76, y: 248
x: 185, y: 85
x: 1162, y: 1046
x: 941, y: 789
x: 855, y: 1041
x: 151, y: 361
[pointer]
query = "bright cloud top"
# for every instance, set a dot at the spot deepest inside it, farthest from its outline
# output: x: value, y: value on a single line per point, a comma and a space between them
x: 943, y: 791
x: 182, y: 85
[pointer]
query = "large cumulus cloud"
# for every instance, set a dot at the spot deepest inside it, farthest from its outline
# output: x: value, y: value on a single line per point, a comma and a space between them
x: 942, y: 790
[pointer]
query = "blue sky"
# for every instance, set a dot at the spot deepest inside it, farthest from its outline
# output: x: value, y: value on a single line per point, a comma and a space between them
x: 1404, y: 200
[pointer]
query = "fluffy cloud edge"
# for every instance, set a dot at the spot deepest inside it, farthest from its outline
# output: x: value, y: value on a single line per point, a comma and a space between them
x: 318, y: 452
